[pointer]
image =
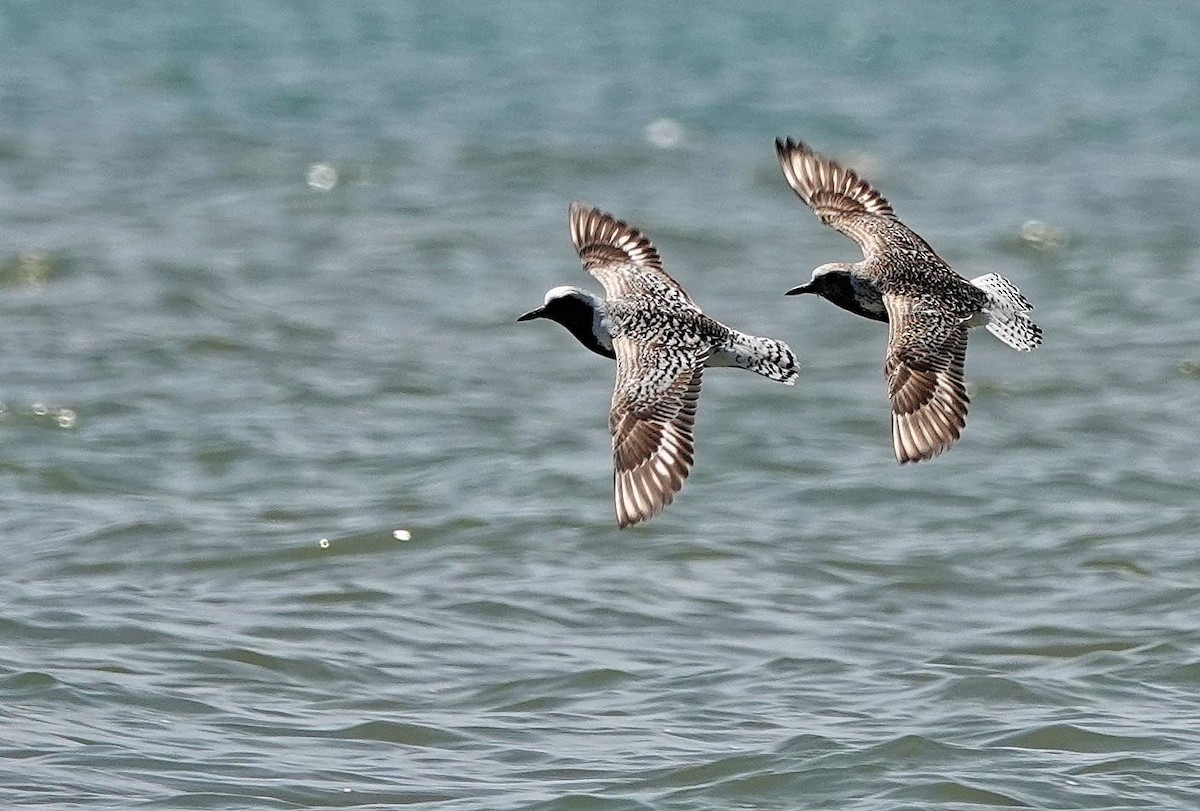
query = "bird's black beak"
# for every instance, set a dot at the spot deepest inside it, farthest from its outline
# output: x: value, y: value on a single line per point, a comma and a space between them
x: 532, y: 314
x: 801, y: 290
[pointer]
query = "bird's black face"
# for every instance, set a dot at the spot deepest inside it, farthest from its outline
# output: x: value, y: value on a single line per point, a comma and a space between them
x: 832, y: 285
x: 563, y: 309
x: 579, y: 316
x: 835, y: 287
x: 539, y: 312
x: 568, y: 310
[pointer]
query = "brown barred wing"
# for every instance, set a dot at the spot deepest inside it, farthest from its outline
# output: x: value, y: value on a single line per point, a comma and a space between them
x: 621, y: 258
x: 926, y: 353
x: 652, y: 421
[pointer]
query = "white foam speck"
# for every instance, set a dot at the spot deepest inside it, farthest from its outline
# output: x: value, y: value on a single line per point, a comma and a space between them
x: 321, y: 176
x: 402, y: 535
x: 664, y: 133
x: 1043, y: 235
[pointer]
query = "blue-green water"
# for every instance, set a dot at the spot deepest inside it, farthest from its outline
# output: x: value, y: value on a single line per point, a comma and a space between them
x: 260, y: 266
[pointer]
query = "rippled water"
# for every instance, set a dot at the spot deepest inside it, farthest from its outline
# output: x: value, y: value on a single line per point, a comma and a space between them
x: 259, y: 274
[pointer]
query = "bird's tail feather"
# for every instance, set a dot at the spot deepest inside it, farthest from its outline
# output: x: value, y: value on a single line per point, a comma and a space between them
x: 766, y: 356
x: 1006, y: 313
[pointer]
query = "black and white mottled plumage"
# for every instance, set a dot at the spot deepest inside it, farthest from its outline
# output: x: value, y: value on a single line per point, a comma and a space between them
x: 902, y: 281
x: 662, y: 342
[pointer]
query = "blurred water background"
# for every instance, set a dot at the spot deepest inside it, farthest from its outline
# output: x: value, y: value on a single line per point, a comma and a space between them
x: 295, y: 515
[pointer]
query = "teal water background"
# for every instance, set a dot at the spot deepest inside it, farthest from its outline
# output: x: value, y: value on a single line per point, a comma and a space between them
x: 259, y: 269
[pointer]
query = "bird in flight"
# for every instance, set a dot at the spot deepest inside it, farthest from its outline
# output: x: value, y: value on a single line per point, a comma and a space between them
x: 662, y: 343
x: 901, y: 280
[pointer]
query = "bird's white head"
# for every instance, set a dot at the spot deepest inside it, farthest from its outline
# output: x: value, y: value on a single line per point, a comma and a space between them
x: 833, y: 276
x: 837, y: 283
x: 583, y: 314
x: 567, y: 291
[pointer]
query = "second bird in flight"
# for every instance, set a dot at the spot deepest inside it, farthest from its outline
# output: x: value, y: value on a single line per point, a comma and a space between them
x: 928, y: 307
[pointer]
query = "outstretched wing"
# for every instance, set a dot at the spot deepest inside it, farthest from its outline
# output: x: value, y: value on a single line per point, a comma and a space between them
x: 839, y: 197
x: 619, y: 256
x: 652, y: 418
x: 924, y: 367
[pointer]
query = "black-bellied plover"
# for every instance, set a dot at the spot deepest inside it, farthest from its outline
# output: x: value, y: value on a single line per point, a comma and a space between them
x: 902, y: 281
x: 661, y: 342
